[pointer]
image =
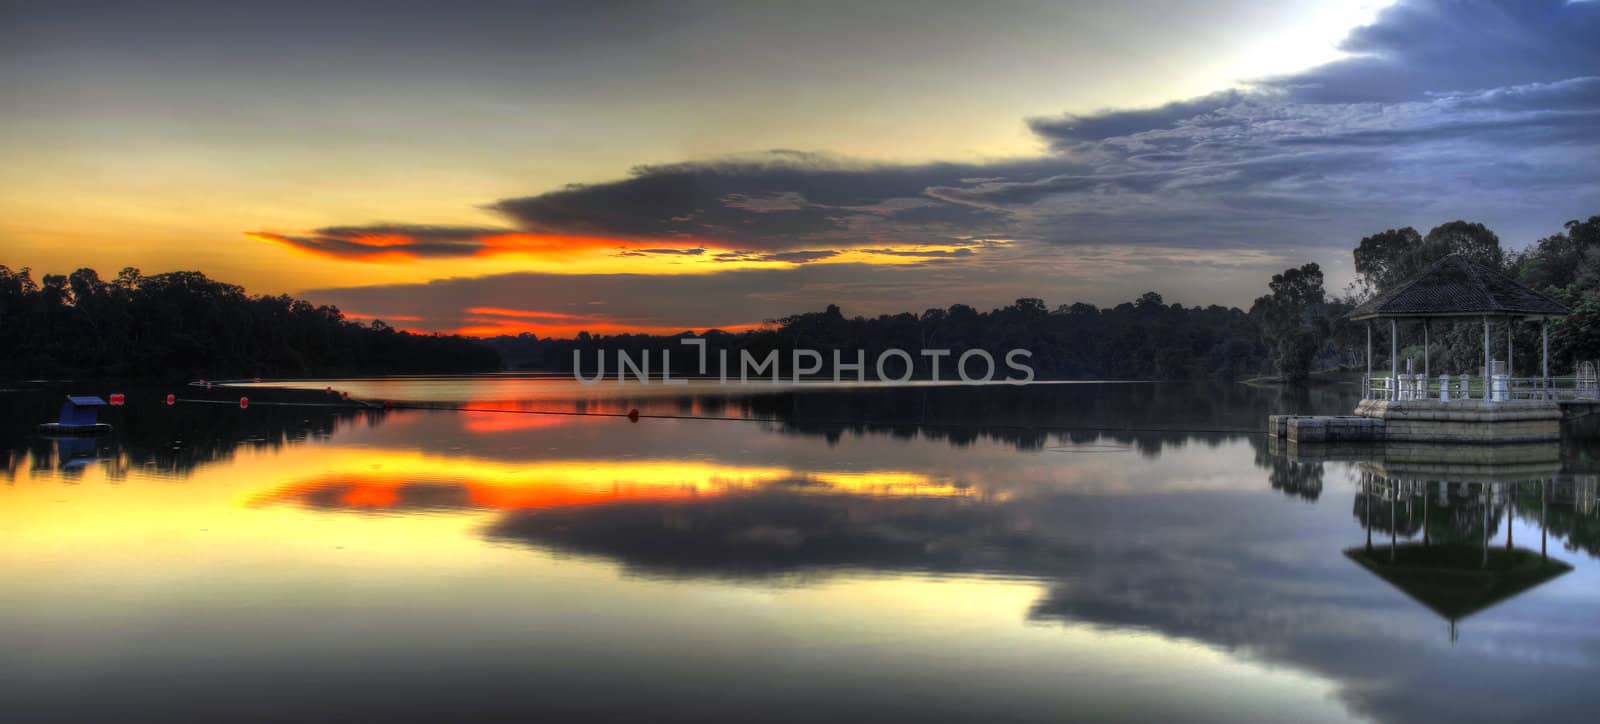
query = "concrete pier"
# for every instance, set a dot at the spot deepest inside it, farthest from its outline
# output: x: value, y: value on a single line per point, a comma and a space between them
x: 1433, y: 421
x: 1466, y: 421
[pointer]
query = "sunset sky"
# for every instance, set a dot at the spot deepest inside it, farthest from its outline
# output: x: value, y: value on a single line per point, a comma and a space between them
x: 551, y: 167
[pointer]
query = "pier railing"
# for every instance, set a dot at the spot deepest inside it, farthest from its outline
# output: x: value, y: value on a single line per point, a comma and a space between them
x: 1466, y: 387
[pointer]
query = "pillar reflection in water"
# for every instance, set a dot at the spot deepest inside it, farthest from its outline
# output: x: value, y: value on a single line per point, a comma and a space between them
x: 1441, y: 519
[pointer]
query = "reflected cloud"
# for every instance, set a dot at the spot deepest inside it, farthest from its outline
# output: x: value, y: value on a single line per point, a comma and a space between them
x: 413, y: 482
x: 775, y: 532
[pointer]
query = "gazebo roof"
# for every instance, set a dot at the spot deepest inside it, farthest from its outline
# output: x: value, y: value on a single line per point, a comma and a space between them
x: 1456, y: 286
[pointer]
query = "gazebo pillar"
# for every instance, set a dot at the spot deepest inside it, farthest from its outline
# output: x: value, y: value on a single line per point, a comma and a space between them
x: 1544, y: 352
x: 1424, y: 357
x: 1366, y: 384
x: 1486, y: 367
x: 1511, y: 324
x: 1394, y: 359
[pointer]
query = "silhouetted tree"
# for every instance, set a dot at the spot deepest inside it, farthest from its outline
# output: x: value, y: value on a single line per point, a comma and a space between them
x: 184, y: 324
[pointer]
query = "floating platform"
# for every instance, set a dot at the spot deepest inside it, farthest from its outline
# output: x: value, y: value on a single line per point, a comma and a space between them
x: 56, y: 428
x: 1323, y: 428
x: 79, y: 416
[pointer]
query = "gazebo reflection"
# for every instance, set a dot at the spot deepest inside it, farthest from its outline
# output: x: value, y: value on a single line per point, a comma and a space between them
x: 1448, y: 512
x: 1446, y: 520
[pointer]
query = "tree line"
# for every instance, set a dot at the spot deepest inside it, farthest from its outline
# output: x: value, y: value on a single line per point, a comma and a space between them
x: 1147, y: 338
x: 185, y: 325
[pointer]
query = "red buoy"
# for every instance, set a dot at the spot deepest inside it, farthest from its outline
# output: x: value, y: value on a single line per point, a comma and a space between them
x: 208, y: 385
x: 387, y: 404
x: 244, y: 402
x: 258, y: 380
x: 171, y: 399
x: 633, y: 415
x: 344, y: 395
x: 117, y: 399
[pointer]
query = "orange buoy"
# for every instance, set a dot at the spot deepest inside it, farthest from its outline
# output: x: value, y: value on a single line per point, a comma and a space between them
x: 171, y: 399
x: 244, y: 402
x: 633, y: 415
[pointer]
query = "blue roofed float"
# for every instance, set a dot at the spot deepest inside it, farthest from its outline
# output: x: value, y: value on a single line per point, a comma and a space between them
x: 79, y: 416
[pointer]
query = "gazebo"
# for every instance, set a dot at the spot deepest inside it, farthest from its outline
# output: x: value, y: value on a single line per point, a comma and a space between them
x: 1458, y: 289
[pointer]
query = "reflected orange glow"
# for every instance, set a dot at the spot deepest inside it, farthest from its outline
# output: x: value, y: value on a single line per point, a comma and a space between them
x: 370, y: 496
x: 496, y: 422
x: 410, y: 480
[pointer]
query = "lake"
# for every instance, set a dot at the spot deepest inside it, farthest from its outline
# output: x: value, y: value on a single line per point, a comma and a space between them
x: 1095, y: 551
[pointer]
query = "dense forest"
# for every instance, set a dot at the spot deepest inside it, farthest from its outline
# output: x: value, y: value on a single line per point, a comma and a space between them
x: 182, y: 324
x: 1144, y: 339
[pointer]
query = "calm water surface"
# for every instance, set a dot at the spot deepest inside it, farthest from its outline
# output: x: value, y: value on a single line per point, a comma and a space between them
x: 1049, y: 553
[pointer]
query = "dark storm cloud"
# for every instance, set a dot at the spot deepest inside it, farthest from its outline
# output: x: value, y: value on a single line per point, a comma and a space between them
x: 1114, y: 123
x: 415, y: 240
x: 923, y: 253
x: 778, y: 200
x: 792, y: 257
x: 697, y: 251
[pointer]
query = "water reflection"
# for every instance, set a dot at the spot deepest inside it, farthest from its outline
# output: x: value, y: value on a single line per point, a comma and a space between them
x: 155, y: 439
x: 400, y: 482
x: 456, y: 549
x: 1439, y: 518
